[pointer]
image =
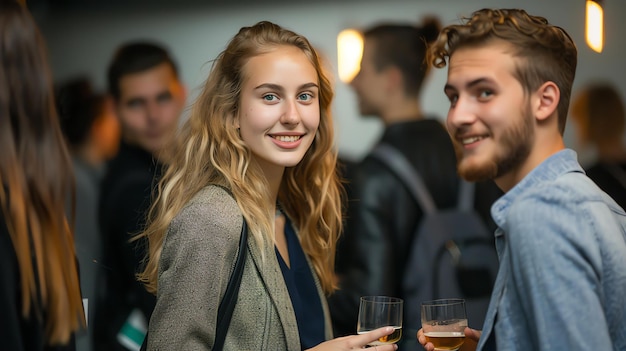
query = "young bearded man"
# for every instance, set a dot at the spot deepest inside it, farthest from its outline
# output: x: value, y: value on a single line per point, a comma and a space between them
x: 561, y: 240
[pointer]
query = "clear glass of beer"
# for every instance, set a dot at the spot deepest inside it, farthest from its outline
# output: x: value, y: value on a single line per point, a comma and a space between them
x: 381, y: 311
x: 444, y: 322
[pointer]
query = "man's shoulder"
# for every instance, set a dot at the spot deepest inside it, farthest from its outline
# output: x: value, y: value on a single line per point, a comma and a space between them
x: 372, y: 172
x: 571, y: 203
x: 571, y: 186
x: 128, y: 170
x: 126, y: 186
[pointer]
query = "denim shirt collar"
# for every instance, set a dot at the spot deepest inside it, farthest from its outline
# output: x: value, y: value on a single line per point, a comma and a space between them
x: 564, y: 161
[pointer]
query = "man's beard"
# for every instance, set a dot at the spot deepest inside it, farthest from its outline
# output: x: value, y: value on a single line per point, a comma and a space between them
x: 515, y: 145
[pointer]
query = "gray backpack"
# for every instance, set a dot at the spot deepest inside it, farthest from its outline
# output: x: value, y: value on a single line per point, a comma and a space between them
x: 452, y: 253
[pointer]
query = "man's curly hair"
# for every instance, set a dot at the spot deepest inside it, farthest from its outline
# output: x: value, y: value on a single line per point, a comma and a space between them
x: 545, y: 52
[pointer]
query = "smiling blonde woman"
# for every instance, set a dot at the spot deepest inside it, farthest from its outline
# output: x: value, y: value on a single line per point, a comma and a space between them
x: 258, y: 146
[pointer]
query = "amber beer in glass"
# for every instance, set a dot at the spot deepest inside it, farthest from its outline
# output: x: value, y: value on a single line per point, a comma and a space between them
x: 444, y: 322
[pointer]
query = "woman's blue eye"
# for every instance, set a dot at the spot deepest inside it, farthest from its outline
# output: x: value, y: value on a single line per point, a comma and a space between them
x: 270, y: 97
x: 305, y: 96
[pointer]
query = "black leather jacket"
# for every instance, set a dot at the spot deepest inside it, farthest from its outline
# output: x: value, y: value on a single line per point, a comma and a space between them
x: 125, y: 199
x: 382, y: 216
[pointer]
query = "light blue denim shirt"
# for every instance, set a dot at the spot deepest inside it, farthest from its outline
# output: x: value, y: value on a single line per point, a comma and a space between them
x: 562, y: 278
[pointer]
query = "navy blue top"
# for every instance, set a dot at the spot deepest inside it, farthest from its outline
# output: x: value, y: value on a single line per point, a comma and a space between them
x: 302, y: 291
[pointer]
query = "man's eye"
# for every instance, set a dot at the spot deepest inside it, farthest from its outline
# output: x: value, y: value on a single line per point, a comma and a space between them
x: 165, y: 98
x: 134, y: 104
x: 485, y: 94
x: 453, y: 99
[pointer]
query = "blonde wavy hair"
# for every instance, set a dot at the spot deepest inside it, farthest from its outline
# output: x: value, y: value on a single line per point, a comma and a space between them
x: 209, y: 150
x: 546, y: 51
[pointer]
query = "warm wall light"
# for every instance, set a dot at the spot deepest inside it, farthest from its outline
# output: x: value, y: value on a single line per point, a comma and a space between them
x: 594, y: 26
x: 349, y: 52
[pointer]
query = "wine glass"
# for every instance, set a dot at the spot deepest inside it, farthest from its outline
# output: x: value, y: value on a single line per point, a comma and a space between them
x: 444, y: 322
x: 380, y: 311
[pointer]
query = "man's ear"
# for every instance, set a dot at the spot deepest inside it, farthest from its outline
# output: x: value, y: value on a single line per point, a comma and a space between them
x: 183, y: 91
x: 394, y: 77
x: 112, y: 103
x: 547, y: 99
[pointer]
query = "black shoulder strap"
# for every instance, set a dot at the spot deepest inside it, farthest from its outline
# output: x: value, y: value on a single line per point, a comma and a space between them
x: 465, y: 201
x: 227, y: 305
x: 398, y: 164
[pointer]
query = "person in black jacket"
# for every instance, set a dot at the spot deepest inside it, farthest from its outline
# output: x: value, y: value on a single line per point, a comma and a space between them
x: 40, y: 297
x: 148, y: 98
x: 382, y: 215
x: 600, y: 116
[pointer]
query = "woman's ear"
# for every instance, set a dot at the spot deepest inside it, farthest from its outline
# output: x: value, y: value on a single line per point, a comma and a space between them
x: 547, y: 99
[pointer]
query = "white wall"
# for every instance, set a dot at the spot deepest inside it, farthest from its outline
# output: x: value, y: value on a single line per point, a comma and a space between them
x: 83, y: 43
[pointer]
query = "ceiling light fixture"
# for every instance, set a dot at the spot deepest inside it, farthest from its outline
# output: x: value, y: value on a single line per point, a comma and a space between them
x: 349, y: 53
x: 594, y: 25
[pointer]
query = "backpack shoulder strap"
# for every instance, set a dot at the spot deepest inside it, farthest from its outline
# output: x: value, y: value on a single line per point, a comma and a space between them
x: 398, y: 164
x: 465, y: 201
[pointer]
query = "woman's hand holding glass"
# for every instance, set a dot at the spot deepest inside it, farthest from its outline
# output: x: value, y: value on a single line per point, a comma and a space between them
x: 357, y: 342
x: 379, y: 326
x: 380, y: 311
